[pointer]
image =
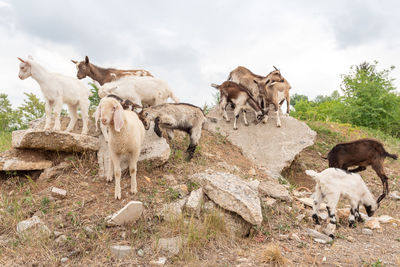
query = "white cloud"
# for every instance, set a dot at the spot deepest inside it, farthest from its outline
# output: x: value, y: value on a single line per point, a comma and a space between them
x: 193, y: 44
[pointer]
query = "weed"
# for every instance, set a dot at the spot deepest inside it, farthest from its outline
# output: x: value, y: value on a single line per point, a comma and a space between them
x: 377, y: 263
x: 192, y: 186
x: 272, y: 254
x: 172, y: 194
x: 44, y: 205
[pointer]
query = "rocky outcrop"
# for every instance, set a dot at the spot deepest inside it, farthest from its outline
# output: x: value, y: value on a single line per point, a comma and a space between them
x: 231, y: 193
x: 270, y: 147
x: 55, y: 141
x: 23, y: 160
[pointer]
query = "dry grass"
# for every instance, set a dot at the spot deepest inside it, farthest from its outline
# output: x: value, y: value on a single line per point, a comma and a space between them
x: 271, y: 254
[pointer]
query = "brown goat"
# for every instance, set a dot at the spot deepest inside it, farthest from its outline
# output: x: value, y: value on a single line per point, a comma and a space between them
x: 245, y: 77
x: 102, y: 75
x: 231, y: 92
x: 362, y: 153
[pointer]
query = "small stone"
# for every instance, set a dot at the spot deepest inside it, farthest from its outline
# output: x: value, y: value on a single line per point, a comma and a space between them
x: 170, y: 246
x: 283, y: 237
x: 295, y: 237
x: 84, y: 184
x: 30, y: 223
x: 120, y: 252
x: 320, y: 241
x: 373, y: 224
x: 128, y: 214
x: 318, y: 235
x: 330, y: 229
x: 194, y: 201
x: 170, y: 179
x: 306, y: 201
x: 209, y: 206
x: 269, y: 201
x: 350, y: 239
x: 57, y: 234
x: 64, y: 260
x: 300, y: 217
x: 323, y: 215
x: 343, y: 214
x: 61, y: 239
x: 170, y: 212
x: 88, y: 229
x: 366, y: 231
x: 394, y: 195
x: 385, y: 219
x: 140, y: 253
x: 252, y: 172
x: 160, y: 262
x: 58, y: 192
x: 123, y: 235
x: 324, y: 259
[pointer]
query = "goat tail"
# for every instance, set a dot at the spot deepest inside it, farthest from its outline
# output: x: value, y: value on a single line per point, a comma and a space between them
x: 215, y: 85
x: 393, y: 156
x: 313, y: 174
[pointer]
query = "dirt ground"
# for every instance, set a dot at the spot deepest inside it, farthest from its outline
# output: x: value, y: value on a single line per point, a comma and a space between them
x: 90, y: 199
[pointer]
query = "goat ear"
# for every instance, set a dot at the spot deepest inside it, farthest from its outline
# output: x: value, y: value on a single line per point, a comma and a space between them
x: 267, y: 81
x: 20, y: 59
x: 87, y: 60
x: 74, y: 61
x: 96, y: 115
x: 118, y: 118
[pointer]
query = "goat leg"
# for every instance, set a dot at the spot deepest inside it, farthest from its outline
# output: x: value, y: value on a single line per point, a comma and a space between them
x: 190, y: 150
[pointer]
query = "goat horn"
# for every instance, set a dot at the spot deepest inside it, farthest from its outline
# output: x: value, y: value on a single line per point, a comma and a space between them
x: 20, y: 59
x: 275, y: 68
x: 74, y: 61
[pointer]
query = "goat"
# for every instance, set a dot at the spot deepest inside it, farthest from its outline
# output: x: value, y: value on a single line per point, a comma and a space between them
x: 231, y: 92
x: 58, y: 89
x: 126, y: 135
x: 245, y: 77
x: 362, y: 153
x: 104, y: 75
x: 141, y: 91
x: 331, y: 184
x: 173, y: 116
x: 274, y: 93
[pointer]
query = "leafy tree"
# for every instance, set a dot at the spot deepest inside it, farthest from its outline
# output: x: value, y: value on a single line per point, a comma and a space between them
x: 371, y: 98
x: 31, y: 109
x: 8, y: 117
x: 297, y: 98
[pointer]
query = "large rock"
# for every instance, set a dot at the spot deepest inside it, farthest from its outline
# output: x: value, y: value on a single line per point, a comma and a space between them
x: 38, y: 125
x: 231, y: 193
x: 155, y: 152
x: 270, y: 147
x: 23, y: 160
x: 194, y: 201
x: 32, y: 223
x: 55, y: 141
x: 273, y: 189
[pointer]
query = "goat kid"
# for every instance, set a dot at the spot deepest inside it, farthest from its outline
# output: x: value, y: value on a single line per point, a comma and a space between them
x: 362, y: 153
x: 274, y: 93
x: 104, y: 75
x: 173, y: 116
x: 231, y: 92
x: 331, y: 184
x: 58, y: 89
x: 126, y: 135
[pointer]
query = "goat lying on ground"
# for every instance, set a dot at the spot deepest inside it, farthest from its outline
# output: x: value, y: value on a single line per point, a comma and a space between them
x: 275, y: 93
x: 362, y: 153
x: 142, y: 91
x: 102, y: 75
x: 126, y: 135
x: 331, y: 184
x: 172, y: 116
x: 58, y: 89
x: 231, y: 92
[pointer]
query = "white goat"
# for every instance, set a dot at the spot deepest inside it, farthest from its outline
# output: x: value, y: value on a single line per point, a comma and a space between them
x: 143, y: 91
x: 333, y: 183
x: 58, y: 89
x: 125, y: 136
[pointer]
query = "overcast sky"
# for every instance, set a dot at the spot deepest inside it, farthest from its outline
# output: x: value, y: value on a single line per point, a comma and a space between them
x: 191, y: 44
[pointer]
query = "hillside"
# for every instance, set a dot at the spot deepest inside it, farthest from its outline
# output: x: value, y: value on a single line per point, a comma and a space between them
x: 80, y: 216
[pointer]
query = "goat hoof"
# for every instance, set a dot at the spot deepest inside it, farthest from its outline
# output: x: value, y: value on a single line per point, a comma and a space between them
x: 246, y: 124
x: 278, y: 125
x: 134, y: 192
x: 117, y: 195
x: 235, y: 128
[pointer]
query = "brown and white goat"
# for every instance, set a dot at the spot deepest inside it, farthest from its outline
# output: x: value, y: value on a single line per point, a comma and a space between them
x: 231, y: 92
x: 104, y: 75
x: 176, y: 116
x: 362, y: 153
x: 274, y: 93
x: 245, y: 77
